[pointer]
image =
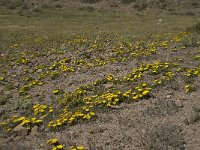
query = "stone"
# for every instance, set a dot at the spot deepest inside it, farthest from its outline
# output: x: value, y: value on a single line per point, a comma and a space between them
x: 179, y: 104
x: 39, y: 70
x: 7, y: 92
x: 116, y: 106
x: 34, y: 130
x: 2, y: 111
x: 20, y: 131
x: 1, y: 91
x: 169, y: 96
x: 16, y: 84
x: 12, y: 147
x: 196, y: 108
x: 107, y: 86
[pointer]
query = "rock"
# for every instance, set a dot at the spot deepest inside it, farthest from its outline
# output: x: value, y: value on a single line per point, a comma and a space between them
x: 42, y: 128
x: 196, y: 108
x: 46, y: 130
x: 116, y: 106
x: 107, y: 86
x: 2, y: 55
x: 34, y: 130
x: 179, y: 104
x: 12, y: 147
x: 71, y: 132
x: 16, y: 84
x: 169, y: 96
x: 1, y: 91
x: 39, y: 70
x: 20, y: 130
x: 2, y: 111
x: 31, y: 71
x: 7, y: 92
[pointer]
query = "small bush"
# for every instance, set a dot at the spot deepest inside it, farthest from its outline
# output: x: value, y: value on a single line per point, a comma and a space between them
x: 88, y: 8
x: 127, y: 1
x: 164, y: 136
x: 192, y: 40
x: 195, y: 28
x: 58, y: 6
x: 4, y: 99
x: 90, y: 1
x: 45, y: 6
x: 190, y: 13
x: 194, y: 119
x: 196, y: 5
x: 140, y: 7
x: 114, y: 5
x: 14, y: 4
x: 37, y: 10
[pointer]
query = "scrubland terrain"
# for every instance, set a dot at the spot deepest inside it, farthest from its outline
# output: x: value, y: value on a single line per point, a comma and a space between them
x: 83, y: 74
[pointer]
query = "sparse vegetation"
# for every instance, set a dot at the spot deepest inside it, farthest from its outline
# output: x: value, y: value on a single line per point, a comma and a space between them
x: 127, y: 1
x: 90, y: 1
x: 194, y: 28
x: 101, y: 77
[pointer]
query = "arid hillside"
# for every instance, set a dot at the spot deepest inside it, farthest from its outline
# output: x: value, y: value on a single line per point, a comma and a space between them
x: 188, y: 7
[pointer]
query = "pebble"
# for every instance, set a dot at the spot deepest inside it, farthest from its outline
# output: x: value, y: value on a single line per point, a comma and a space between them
x: 169, y: 96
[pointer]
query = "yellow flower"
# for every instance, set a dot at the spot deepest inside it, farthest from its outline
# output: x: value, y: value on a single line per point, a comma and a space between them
x: 187, y: 88
x: 92, y: 113
x: 2, y: 78
x: 50, y: 109
x: 3, y: 123
x: 139, y: 89
x: 80, y: 148
x: 110, y: 77
x: 145, y: 92
x: 56, y: 91
x: 38, y: 121
x: 53, y: 141
x: 135, y: 97
x: 144, y: 84
x: 72, y: 148
x: 25, y: 122
x: 59, y: 147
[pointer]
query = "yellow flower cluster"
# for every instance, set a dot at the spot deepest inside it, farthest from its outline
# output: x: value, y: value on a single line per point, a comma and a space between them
x: 195, y: 72
x: 106, y: 48
x: 108, y: 98
x: 41, y: 109
x: 77, y: 147
x: 68, y: 117
x: 110, y: 77
x: 24, y: 121
x: 62, y: 66
x: 138, y: 92
x: 56, y: 144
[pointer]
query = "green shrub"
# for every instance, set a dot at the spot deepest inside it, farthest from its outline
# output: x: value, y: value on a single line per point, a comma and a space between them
x: 88, y: 8
x: 90, y: 1
x: 45, y: 6
x: 13, y: 4
x: 194, y: 28
x: 127, y: 1
x: 4, y: 99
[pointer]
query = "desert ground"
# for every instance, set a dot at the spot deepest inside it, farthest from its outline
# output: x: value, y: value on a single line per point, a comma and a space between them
x: 99, y: 75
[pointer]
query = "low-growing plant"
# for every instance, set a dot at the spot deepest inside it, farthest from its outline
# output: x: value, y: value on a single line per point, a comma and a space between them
x: 127, y: 1
x: 90, y: 1
x: 163, y: 136
x: 88, y: 8
x: 4, y: 99
x: 194, y: 28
